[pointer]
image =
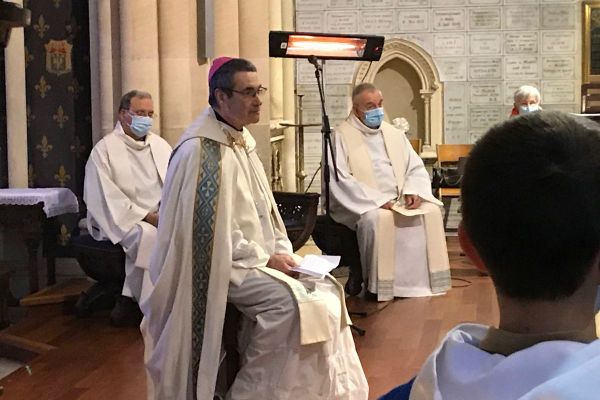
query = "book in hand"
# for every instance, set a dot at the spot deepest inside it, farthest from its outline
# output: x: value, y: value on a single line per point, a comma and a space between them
x: 317, y: 265
x: 401, y: 209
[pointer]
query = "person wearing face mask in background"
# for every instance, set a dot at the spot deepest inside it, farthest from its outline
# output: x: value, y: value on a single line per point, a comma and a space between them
x: 526, y: 100
x: 403, y: 251
x: 123, y: 181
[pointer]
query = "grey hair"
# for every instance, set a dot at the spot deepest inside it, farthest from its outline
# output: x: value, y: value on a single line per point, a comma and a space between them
x: 363, y: 87
x: 525, y: 91
x: 125, y: 102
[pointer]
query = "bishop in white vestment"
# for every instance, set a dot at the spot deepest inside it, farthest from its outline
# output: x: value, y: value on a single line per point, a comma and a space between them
x: 218, y: 240
x: 384, y: 194
x: 123, y: 181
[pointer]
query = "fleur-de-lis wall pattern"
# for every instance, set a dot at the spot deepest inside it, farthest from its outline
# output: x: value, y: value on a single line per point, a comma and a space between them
x: 59, y: 133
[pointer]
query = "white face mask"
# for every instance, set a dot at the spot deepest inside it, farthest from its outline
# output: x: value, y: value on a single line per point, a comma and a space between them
x: 526, y: 109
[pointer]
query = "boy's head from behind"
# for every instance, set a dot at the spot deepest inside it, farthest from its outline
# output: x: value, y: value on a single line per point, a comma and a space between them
x: 531, y: 204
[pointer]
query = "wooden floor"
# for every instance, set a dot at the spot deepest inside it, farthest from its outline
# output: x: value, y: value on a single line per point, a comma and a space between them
x: 88, y: 359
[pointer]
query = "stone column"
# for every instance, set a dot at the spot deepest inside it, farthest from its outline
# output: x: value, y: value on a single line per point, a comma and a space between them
x: 254, y: 45
x: 227, y: 27
x: 289, y: 104
x: 139, y: 50
x: 181, y: 78
x: 16, y: 108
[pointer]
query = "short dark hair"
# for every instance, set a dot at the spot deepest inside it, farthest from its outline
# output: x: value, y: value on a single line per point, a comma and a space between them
x: 223, y: 78
x: 531, y: 203
x: 125, y: 102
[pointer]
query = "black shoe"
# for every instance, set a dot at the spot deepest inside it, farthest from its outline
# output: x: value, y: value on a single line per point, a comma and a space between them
x: 353, y: 285
x: 370, y: 296
x: 126, y: 313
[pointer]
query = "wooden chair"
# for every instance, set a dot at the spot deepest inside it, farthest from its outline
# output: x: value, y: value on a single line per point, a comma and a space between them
x: 449, y: 154
x: 590, y: 98
x: 417, y: 145
x: 299, y: 214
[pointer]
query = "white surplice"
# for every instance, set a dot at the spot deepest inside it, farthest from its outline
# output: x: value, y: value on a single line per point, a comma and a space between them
x: 123, y: 182
x: 219, y: 226
x: 401, y: 256
x: 553, y: 369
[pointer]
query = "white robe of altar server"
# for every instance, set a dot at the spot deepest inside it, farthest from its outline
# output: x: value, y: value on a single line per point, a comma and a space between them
x: 414, y: 246
x: 295, y: 341
x: 123, y: 183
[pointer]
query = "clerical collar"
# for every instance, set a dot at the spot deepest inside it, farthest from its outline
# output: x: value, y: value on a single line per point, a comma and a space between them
x: 220, y: 118
x: 498, y: 341
x: 358, y: 124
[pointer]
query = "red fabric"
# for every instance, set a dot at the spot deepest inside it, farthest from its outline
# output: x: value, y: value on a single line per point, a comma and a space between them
x: 216, y: 64
x: 514, y: 112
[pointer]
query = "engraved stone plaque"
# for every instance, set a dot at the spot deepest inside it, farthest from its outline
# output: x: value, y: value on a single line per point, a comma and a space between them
x: 310, y: 22
x: 449, y: 44
x: 412, y: 3
x: 447, y: 3
x: 487, y: 2
x: 558, y: 42
x: 310, y: 5
x: 484, y: 18
x: 377, y: 3
x: 378, y: 21
x: 485, y: 93
x: 521, y: 67
x: 449, y: 19
x: 485, y: 116
x: 558, y: 17
x: 342, y: 4
x: 425, y: 40
x: 455, y: 113
x: 342, y: 21
x: 305, y: 72
x: 522, y: 17
x: 337, y: 71
x: 485, y: 68
x: 558, y: 67
x: 521, y: 42
x: 452, y: 68
x: 413, y: 20
x: 485, y: 43
x: 558, y: 92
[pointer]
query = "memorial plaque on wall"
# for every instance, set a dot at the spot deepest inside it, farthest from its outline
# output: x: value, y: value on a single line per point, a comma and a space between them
x: 474, y: 136
x: 523, y: 17
x: 489, y: 68
x: 558, y: 42
x: 484, y: 117
x: 380, y: 21
x: 521, y: 67
x: 342, y: 21
x: 558, y: 17
x: 377, y: 3
x: 558, y: 67
x: 305, y: 72
x: 447, y: 3
x: 309, y: 5
x: 310, y: 22
x: 520, y: 1
x: 338, y: 71
x: 449, y: 44
x: 485, y: 93
x: 452, y: 68
x: 558, y: 92
x: 510, y: 87
x: 455, y: 113
x: 487, y: 2
x: 342, y: 4
x: 412, y: 3
x: 520, y: 42
x: 485, y: 43
x: 484, y: 19
x: 413, y: 20
x: 425, y: 40
x: 448, y: 19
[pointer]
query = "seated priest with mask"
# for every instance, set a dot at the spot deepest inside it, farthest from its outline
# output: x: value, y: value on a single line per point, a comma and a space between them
x: 403, y: 251
x: 123, y: 181
x: 221, y: 240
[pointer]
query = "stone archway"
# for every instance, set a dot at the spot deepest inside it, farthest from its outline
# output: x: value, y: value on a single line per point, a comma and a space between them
x: 398, y: 52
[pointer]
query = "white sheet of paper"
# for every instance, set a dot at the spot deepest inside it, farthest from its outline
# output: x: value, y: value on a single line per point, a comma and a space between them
x: 400, y: 209
x: 317, y: 265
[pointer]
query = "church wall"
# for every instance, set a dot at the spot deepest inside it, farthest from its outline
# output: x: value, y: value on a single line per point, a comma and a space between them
x: 483, y: 49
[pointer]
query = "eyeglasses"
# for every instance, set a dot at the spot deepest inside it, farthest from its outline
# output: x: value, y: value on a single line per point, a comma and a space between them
x: 251, y: 92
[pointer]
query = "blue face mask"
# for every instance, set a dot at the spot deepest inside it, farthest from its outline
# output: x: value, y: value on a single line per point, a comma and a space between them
x: 140, y: 125
x: 526, y: 109
x: 374, y: 117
